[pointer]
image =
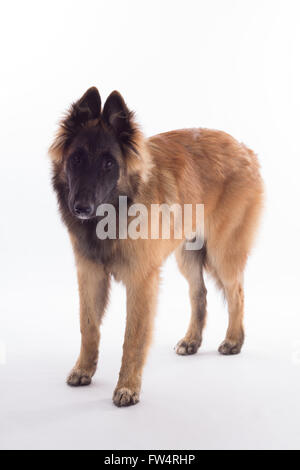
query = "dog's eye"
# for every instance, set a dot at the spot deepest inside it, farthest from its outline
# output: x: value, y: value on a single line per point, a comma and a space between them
x: 76, y: 159
x: 108, y: 164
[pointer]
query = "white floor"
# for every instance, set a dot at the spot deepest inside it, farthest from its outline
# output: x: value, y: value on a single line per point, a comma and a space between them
x: 202, y: 402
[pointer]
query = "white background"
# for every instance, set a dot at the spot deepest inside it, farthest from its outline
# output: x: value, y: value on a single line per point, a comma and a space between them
x: 226, y: 64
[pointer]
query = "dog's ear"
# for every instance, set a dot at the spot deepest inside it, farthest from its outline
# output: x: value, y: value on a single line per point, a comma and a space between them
x: 119, y: 118
x: 87, y: 108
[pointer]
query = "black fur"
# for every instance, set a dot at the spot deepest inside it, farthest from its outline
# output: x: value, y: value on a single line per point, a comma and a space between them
x: 84, y: 176
x: 119, y: 118
x: 91, y: 180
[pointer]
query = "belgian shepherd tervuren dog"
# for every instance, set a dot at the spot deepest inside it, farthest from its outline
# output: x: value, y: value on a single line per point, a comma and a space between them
x: 99, y: 155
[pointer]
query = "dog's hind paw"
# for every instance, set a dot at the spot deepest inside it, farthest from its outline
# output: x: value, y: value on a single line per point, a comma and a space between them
x: 230, y: 348
x: 78, y: 378
x: 187, y: 347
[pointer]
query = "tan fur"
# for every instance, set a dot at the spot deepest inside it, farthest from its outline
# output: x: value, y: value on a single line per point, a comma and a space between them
x: 187, y: 167
x: 191, y: 266
x: 93, y: 285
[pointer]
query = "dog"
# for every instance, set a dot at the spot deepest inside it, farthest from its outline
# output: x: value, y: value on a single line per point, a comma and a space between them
x: 100, y: 155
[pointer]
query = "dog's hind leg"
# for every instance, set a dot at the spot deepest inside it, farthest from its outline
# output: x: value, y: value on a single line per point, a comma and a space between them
x: 191, y: 265
x: 235, y: 334
x: 227, y: 252
x: 93, y: 290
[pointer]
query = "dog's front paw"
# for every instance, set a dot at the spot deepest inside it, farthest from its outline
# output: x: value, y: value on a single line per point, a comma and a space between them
x: 79, y: 378
x: 125, y: 397
x: 187, y: 347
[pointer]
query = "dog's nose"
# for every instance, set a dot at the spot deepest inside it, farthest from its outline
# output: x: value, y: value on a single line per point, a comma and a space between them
x: 83, y: 210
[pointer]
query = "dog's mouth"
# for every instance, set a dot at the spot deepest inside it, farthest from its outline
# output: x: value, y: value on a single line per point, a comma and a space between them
x: 86, y: 209
x: 83, y: 217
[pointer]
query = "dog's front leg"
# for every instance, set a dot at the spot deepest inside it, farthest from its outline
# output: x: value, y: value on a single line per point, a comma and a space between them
x: 93, y: 285
x: 141, y: 307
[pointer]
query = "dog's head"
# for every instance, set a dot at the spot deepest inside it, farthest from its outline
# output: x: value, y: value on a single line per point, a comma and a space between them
x: 94, y: 150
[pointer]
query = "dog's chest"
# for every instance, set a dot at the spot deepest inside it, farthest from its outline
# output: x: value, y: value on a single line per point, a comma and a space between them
x: 107, y: 252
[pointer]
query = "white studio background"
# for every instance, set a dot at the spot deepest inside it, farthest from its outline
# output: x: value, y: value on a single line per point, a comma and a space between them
x: 226, y: 64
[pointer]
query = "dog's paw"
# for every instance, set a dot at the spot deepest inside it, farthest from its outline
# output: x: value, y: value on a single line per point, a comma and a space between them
x: 186, y: 348
x: 125, y: 397
x: 230, y: 348
x: 79, y: 378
